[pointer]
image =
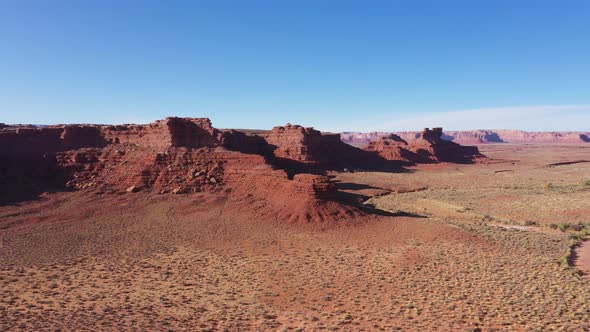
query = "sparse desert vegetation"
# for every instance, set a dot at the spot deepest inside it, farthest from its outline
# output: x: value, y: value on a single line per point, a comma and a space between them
x: 459, y: 259
x: 293, y: 166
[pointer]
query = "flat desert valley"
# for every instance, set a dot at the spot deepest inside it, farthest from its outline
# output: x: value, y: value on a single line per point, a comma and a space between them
x: 491, y: 246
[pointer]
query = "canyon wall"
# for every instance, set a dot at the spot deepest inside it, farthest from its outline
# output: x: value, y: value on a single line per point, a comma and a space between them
x: 170, y: 132
x: 175, y: 156
x: 295, y: 142
x: 276, y: 174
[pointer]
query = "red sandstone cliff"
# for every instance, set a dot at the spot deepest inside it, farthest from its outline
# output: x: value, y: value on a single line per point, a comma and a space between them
x: 311, y: 149
x: 274, y: 173
x: 393, y: 147
x: 295, y: 142
x: 517, y: 136
x: 175, y: 155
x: 428, y: 147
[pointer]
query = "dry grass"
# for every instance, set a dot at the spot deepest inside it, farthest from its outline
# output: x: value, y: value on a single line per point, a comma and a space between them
x: 505, y: 189
x: 82, y: 261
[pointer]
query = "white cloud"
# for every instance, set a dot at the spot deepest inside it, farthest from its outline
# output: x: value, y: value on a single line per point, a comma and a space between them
x: 531, y: 118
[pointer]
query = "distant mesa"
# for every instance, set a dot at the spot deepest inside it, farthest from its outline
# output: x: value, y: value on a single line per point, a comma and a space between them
x: 280, y: 173
x: 428, y: 147
x: 477, y: 137
x: 474, y: 137
x: 393, y: 147
x: 297, y: 148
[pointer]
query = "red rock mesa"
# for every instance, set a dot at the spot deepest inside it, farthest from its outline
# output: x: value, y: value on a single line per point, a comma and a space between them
x: 477, y: 137
x: 429, y: 147
x: 276, y: 174
x: 175, y: 155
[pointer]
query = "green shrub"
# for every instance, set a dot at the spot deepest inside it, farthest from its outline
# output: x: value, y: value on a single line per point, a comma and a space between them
x: 563, y: 226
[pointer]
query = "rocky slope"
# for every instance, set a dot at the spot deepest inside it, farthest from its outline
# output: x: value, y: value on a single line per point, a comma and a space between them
x: 477, y: 137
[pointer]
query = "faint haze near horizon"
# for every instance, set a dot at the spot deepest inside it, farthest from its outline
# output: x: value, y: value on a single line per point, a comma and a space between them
x: 527, y: 118
x: 334, y: 65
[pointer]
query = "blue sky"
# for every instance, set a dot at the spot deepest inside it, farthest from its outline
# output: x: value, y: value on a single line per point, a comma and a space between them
x: 335, y: 65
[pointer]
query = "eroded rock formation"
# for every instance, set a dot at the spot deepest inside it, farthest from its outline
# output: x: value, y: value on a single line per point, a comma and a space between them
x: 393, y: 147
x: 316, y: 150
x: 518, y: 136
x: 432, y: 146
x: 162, y: 134
x: 175, y: 156
x: 477, y: 137
x: 428, y: 147
x: 278, y: 173
x: 295, y: 142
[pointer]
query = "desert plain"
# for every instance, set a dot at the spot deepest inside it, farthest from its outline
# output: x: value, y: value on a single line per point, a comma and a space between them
x: 490, y: 246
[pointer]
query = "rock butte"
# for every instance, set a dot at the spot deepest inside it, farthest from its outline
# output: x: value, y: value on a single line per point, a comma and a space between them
x: 428, y: 147
x: 278, y: 173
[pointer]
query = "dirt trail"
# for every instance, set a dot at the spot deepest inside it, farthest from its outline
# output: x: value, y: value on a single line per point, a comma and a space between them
x: 583, y: 257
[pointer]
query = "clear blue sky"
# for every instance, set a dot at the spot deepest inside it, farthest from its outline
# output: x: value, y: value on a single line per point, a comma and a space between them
x: 335, y: 65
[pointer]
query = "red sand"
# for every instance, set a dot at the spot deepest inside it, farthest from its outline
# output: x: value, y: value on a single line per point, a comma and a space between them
x: 583, y: 257
x: 177, y: 225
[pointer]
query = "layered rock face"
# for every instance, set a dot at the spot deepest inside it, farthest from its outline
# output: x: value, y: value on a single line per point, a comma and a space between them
x: 478, y: 137
x: 170, y: 132
x: 28, y: 155
x: 314, y: 185
x: 75, y: 137
x: 428, y: 147
x: 393, y: 147
x: 174, y: 155
x: 313, y: 149
x: 517, y: 136
x: 361, y: 140
x: 238, y: 141
x: 183, y: 154
x: 276, y: 173
x: 431, y: 146
x: 473, y: 137
x: 295, y: 142
x: 29, y: 140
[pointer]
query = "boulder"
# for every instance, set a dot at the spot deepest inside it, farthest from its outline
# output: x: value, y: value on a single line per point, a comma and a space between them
x: 132, y: 189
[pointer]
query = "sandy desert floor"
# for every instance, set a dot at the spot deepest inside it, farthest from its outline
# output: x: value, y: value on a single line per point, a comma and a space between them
x: 484, y: 247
